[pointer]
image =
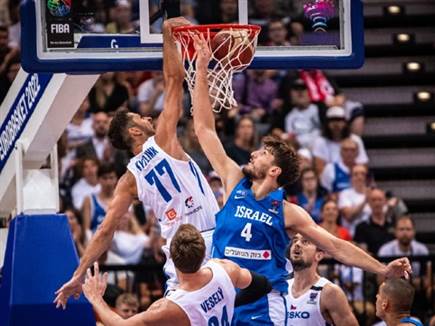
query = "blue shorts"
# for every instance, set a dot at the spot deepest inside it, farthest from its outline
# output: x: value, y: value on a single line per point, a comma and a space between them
x: 271, y: 309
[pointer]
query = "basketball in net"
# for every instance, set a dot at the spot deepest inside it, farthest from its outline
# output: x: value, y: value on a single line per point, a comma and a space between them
x: 233, y: 48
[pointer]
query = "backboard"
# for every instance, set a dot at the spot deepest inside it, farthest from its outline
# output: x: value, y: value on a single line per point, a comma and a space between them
x: 96, y: 36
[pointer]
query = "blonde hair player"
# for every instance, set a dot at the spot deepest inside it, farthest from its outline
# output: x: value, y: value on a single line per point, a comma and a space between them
x: 251, y: 228
x: 205, y: 296
x: 161, y: 174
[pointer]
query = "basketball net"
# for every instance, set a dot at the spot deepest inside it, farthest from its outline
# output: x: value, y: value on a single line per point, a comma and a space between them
x: 233, y: 48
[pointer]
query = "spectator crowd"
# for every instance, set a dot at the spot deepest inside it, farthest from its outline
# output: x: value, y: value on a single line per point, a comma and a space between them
x: 305, y: 108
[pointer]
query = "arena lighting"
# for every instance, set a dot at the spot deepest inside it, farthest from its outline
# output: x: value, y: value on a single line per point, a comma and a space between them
x: 424, y: 96
x: 403, y: 38
x: 430, y: 128
x: 413, y: 66
x: 394, y: 10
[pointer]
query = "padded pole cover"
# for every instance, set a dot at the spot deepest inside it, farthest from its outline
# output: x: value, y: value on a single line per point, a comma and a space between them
x: 40, y: 257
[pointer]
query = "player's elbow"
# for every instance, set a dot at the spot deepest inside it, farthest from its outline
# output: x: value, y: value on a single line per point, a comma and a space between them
x: 202, y: 130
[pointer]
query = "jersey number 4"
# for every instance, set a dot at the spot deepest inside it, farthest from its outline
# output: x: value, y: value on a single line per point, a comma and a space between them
x: 247, y: 232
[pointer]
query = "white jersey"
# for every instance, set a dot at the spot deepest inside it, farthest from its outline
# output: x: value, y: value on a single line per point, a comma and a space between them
x: 305, y: 310
x: 176, y: 190
x: 213, y: 304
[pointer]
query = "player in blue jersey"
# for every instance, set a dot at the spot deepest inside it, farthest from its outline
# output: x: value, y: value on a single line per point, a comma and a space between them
x: 251, y: 227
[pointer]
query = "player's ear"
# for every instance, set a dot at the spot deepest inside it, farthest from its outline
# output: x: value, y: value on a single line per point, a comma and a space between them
x: 320, y: 255
x: 275, y: 171
x: 135, y: 132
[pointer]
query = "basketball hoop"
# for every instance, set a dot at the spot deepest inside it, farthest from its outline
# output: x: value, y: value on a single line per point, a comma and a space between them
x: 232, y: 46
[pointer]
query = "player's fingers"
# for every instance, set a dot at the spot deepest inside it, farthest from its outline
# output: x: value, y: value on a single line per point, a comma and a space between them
x: 88, y: 274
x: 96, y: 269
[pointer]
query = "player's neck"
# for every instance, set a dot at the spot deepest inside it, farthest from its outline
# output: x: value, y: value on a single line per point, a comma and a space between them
x: 304, y: 280
x: 261, y: 188
x: 138, y: 146
x: 194, y: 281
x: 394, y: 319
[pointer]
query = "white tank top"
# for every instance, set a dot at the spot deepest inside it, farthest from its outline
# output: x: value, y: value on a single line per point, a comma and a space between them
x: 213, y: 304
x: 176, y: 190
x: 305, y: 310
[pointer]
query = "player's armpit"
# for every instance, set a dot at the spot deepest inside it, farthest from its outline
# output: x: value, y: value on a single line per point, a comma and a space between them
x: 334, y: 304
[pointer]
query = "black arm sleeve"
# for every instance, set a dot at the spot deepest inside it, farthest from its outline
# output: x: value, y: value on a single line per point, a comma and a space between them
x: 259, y: 286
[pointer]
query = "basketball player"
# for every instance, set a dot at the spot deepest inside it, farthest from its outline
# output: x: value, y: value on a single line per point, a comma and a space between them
x: 251, y: 227
x: 160, y: 174
x: 313, y: 300
x: 205, y: 296
x: 394, y: 302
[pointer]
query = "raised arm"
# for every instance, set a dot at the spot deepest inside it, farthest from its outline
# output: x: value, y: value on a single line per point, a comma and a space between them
x: 125, y: 192
x: 334, y: 303
x: 173, y: 73
x: 161, y: 313
x: 298, y: 220
x: 204, y: 122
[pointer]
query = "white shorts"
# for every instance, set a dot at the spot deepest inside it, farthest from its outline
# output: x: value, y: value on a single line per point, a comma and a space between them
x: 169, y: 268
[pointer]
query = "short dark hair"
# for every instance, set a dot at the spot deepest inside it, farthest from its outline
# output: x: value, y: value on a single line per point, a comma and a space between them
x: 286, y: 159
x: 187, y: 249
x: 106, y: 168
x: 401, y: 294
x: 118, y: 135
x: 404, y: 217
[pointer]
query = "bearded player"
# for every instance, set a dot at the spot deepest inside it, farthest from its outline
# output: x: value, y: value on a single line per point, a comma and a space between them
x: 251, y: 227
x: 161, y: 174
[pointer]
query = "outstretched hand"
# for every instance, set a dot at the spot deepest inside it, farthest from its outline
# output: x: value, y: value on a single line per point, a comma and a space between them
x: 203, y: 52
x: 399, y: 268
x: 95, y: 285
x: 71, y: 288
x: 170, y: 24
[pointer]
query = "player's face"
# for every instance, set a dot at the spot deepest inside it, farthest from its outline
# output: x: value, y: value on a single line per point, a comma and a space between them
x: 302, y: 253
x: 259, y: 164
x: 380, y: 302
x: 145, y: 124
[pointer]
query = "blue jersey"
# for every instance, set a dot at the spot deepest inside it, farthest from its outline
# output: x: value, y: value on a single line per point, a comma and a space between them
x: 252, y: 233
x: 98, y: 212
x: 341, y: 180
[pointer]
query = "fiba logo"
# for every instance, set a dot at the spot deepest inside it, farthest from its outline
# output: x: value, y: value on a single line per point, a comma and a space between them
x: 59, y: 8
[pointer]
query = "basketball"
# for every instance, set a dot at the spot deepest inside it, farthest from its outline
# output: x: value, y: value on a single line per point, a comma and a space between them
x: 234, y: 46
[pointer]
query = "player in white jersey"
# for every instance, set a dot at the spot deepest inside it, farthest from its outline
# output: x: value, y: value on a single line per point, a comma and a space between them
x: 311, y: 299
x: 206, y: 295
x: 160, y: 174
